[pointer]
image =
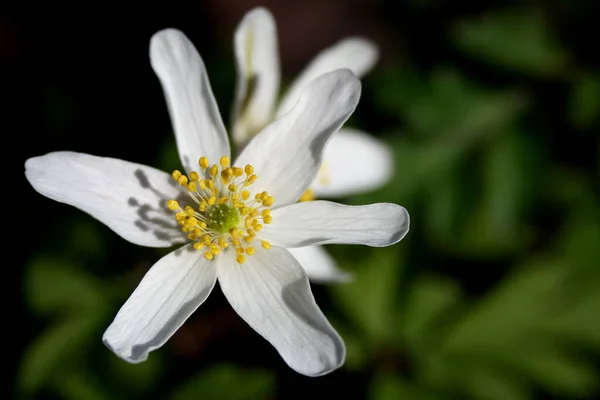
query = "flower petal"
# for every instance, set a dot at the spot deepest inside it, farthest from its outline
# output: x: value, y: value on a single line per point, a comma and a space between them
x: 319, y: 265
x: 129, y: 198
x: 167, y: 295
x: 195, y: 117
x: 271, y: 293
x: 355, y: 53
x: 287, y: 154
x: 258, y: 74
x: 353, y: 162
x: 322, y: 222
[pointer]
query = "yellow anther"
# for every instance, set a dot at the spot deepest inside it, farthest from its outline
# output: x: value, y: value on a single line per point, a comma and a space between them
x: 215, y: 250
x: 202, y: 184
x: 223, y: 200
x: 244, y: 210
x: 192, y: 236
x: 307, y: 196
x: 214, y: 170
x: 210, y: 183
x: 198, y: 246
x: 234, y: 233
x: 249, y: 250
x: 265, y: 245
x: 203, y: 162
x: 268, y: 219
x: 251, y: 232
x: 248, y: 222
x: 266, y: 212
x: 206, y: 239
x: 183, y: 180
x: 224, y: 161
x: 176, y: 174
x: 173, y: 205
x: 257, y: 227
x: 268, y: 202
x: 198, y: 231
x: 212, y: 201
x: 240, y: 259
x: 239, y: 250
x: 249, y: 169
x: 252, y: 179
x: 238, y: 171
x: 189, y: 210
x: 194, y: 176
x: 245, y: 194
x: 232, y: 188
x: 248, y: 238
x: 254, y: 214
x: 181, y: 215
x: 235, y: 242
x: 222, y: 242
x: 191, y: 186
x: 208, y: 255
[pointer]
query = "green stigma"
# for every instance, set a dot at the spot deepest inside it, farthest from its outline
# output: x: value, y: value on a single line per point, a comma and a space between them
x: 222, y: 218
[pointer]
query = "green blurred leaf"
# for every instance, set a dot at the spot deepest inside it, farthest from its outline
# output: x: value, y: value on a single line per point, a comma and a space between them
x: 59, y: 347
x: 495, y: 225
x: 394, y: 387
x: 584, y: 100
x: 370, y: 299
x: 54, y: 284
x: 447, y: 105
x: 517, y: 39
x: 486, y: 384
x: 79, y: 384
x: 429, y: 302
x: 578, y: 241
x: 560, y: 372
x: 84, y: 239
x: 227, y: 382
x: 140, y: 377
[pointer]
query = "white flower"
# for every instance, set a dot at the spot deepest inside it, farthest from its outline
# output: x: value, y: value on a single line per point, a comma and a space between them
x: 237, y: 219
x: 353, y: 161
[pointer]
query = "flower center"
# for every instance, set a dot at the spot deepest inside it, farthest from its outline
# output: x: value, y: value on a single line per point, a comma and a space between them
x: 225, y: 215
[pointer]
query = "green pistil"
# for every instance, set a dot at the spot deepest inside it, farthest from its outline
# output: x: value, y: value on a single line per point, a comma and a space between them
x: 222, y: 218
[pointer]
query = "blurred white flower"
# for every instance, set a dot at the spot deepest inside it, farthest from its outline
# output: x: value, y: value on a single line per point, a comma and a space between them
x: 237, y: 219
x: 353, y: 162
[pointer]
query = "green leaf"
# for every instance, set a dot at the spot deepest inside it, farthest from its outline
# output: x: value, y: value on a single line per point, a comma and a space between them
x: 387, y: 386
x: 428, y: 303
x: 56, y: 285
x: 584, y: 100
x: 139, y: 378
x: 578, y: 242
x: 516, y: 39
x: 495, y: 225
x: 79, y: 384
x: 484, y: 383
x: 370, y: 299
x: 59, y: 347
x: 227, y: 382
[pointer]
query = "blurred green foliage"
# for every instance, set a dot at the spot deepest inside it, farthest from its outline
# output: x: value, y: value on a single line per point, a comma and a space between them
x: 491, y: 193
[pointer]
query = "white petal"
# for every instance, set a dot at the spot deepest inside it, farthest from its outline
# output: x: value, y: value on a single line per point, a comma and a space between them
x: 355, y: 53
x: 195, y: 117
x: 167, y: 295
x: 353, y: 162
x: 319, y: 265
x: 129, y: 198
x: 271, y: 293
x: 258, y: 74
x: 323, y: 222
x: 287, y: 154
